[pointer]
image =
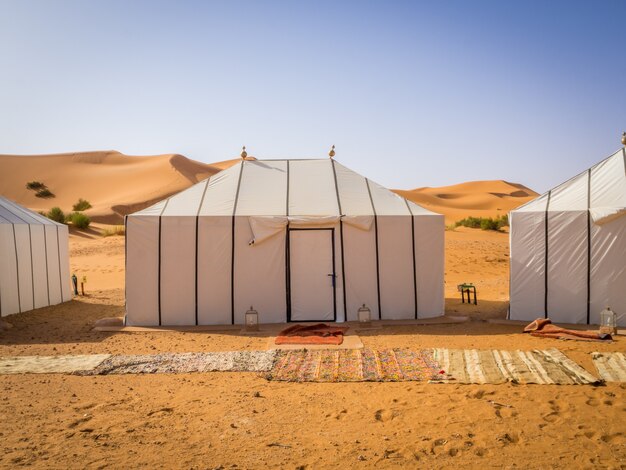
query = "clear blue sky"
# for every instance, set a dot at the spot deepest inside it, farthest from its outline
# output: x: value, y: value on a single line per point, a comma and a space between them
x: 411, y: 93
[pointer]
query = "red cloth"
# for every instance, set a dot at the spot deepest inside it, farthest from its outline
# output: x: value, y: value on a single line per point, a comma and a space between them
x: 543, y: 328
x: 319, y: 333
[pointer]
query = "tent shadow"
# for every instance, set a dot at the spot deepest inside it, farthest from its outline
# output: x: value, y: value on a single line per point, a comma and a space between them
x: 69, y: 322
x: 485, y: 310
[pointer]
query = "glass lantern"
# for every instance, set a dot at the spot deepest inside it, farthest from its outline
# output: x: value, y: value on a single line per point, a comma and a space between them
x: 608, y: 321
x: 365, y: 317
x: 252, y: 320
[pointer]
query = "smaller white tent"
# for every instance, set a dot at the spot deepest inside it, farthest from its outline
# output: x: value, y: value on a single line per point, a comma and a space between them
x: 568, y: 248
x: 34, y: 262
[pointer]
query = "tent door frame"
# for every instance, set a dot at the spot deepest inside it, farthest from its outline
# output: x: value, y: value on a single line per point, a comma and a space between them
x: 288, y: 269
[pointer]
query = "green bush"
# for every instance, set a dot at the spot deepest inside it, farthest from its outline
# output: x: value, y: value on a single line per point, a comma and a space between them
x: 484, y: 223
x: 81, y: 205
x: 44, y: 193
x: 35, y: 185
x: 79, y: 220
x: 471, y: 222
x: 503, y: 221
x: 489, y: 224
x: 56, y: 214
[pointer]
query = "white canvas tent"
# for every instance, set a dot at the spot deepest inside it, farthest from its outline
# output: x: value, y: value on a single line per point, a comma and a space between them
x: 300, y: 240
x: 34, y: 262
x: 568, y: 248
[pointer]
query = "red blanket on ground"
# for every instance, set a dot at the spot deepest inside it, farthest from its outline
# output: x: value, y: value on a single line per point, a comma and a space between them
x: 320, y: 333
x: 543, y: 328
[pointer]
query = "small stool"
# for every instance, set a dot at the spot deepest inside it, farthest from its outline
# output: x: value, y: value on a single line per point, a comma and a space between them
x: 469, y: 288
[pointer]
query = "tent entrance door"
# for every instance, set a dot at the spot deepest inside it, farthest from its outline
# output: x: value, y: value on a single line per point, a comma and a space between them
x: 311, y: 275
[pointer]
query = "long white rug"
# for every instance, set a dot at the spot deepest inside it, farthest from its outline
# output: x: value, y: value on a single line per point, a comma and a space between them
x: 611, y: 365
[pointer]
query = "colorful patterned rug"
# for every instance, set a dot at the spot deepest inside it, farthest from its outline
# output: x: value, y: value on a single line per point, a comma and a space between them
x: 473, y: 366
x: 611, y: 366
x: 354, y: 365
x: 467, y: 366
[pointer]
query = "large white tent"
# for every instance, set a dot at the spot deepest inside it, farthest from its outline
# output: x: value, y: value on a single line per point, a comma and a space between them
x: 34, y: 262
x: 300, y: 240
x: 568, y: 248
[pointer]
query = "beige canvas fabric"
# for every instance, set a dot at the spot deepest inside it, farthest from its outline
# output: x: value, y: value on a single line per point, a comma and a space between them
x: 34, y: 261
x: 207, y: 254
x: 568, y: 248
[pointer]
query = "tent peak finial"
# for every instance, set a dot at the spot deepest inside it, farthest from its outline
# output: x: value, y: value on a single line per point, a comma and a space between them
x: 624, y: 138
x: 332, y: 152
x: 244, y: 154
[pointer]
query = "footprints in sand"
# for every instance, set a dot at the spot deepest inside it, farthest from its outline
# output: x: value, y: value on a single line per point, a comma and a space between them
x: 384, y: 415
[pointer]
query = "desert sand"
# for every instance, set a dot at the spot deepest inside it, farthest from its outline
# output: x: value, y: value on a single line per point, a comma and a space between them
x: 476, y: 198
x: 115, y: 184
x: 240, y: 420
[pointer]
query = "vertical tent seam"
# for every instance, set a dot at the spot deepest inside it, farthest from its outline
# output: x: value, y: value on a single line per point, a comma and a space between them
x: 545, y: 292
x: 287, y: 261
x: 45, y: 245
x: 159, y: 263
x: 588, y: 245
x: 32, y: 269
x: 369, y: 192
x: 17, y: 269
x: 125, y: 264
x: 414, y: 260
x: 232, y: 249
x: 59, y: 258
x: 196, y: 266
x: 0, y: 282
x: 343, y: 268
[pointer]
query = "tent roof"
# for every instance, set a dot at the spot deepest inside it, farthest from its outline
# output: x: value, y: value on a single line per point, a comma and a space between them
x: 308, y: 188
x: 601, y: 187
x: 12, y: 213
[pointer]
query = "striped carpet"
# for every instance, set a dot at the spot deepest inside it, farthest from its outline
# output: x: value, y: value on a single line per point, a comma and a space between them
x: 472, y: 366
x: 467, y: 366
x: 611, y: 366
x: 354, y: 365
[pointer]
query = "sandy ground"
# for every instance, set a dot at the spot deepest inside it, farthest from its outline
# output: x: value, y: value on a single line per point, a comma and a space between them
x: 218, y: 420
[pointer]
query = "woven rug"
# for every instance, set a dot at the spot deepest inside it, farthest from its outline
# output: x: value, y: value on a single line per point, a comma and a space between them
x: 50, y: 364
x: 611, y: 366
x: 354, y: 365
x: 319, y: 333
x: 182, y: 363
x: 472, y: 366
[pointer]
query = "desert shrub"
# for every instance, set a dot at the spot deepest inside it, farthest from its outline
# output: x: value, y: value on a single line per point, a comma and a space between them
x: 56, y: 214
x: 471, y: 222
x: 44, y: 193
x: 488, y: 224
x: 35, y: 185
x: 79, y: 220
x: 117, y: 230
x: 484, y: 223
x: 81, y: 205
x: 503, y: 221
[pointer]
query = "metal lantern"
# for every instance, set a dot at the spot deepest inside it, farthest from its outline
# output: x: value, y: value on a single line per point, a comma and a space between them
x: 365, y: 316
x: 252, y: 320
x: 608, y: 321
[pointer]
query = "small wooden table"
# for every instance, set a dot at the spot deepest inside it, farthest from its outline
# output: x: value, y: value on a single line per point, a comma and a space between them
x: 469, y: 288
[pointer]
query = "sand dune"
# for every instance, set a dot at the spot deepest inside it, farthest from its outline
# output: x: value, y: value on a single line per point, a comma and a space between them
x: 474, y: 198
x: 115, y: 184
